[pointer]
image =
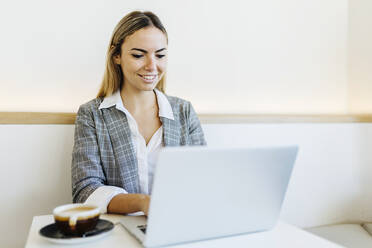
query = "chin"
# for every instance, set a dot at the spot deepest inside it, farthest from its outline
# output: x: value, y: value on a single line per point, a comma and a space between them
x: 148, y: 87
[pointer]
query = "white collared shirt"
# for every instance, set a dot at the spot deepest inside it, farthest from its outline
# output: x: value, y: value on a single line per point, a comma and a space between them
x: 146, y: 154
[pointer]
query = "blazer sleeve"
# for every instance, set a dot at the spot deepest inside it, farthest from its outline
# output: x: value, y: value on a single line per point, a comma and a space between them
x: 86, y: 170
x: 196, y: 133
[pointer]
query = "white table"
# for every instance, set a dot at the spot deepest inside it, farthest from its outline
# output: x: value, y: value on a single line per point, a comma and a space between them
x: 283, y: 235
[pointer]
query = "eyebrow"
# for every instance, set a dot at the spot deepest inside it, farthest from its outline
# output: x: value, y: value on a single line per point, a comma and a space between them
x: 144, y: 51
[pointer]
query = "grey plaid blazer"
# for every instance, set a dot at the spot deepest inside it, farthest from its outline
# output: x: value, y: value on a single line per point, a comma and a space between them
x: 103, y: 152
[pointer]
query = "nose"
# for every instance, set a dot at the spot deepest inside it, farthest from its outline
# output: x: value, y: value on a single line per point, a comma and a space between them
x: 150, y: 64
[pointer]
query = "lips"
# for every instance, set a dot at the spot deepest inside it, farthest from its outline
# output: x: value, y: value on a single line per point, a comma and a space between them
x: 149, y: 78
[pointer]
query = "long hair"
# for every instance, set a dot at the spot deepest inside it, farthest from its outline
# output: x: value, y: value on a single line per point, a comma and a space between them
x: 113, y: 77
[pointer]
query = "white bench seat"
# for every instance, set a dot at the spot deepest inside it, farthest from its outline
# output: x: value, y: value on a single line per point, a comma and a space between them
x: 347, y: 235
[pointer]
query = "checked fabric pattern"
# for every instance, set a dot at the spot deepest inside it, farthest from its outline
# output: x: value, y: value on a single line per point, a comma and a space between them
x: 103, y: 152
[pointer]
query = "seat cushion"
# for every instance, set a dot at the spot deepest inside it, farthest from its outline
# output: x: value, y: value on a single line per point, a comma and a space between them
x: 348, y: 235
x: 368, y: 227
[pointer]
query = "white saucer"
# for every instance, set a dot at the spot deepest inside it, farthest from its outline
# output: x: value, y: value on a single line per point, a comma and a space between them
x: 81, y: 240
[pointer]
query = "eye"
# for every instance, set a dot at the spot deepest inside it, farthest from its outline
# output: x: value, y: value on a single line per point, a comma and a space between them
x: 160, y: 56
x: 137, y: 56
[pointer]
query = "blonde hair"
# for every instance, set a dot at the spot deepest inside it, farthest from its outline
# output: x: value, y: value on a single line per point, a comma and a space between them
x: 113, y: 78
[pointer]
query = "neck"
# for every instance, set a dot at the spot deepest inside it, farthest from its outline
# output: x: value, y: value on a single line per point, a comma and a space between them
x: 137, y: 101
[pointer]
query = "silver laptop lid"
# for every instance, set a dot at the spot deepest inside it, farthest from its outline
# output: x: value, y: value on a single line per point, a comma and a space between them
x: 202, y: 193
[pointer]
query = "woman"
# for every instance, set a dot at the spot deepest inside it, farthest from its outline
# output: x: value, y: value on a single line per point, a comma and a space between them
x: 119, y: 134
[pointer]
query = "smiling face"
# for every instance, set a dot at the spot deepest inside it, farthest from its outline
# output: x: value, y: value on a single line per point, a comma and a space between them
x: 143, y: 59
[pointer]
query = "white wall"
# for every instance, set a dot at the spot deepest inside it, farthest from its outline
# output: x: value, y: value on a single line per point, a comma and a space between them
x: 360, y: 56
x: 269, y: 56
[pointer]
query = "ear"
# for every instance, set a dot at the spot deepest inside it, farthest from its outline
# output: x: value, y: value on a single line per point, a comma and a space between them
x: 117, y: 59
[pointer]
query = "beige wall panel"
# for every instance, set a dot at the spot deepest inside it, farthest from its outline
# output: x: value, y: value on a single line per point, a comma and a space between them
x: 240, y: 56
x: 360, y: 56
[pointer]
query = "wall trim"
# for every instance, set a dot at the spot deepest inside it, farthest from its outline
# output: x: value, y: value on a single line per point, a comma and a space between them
x: 36, y: 118
x: 69, y: 118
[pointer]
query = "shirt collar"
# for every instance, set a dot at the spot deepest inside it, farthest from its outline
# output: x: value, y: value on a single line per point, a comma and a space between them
x: 112, y: 100
x: 165, y: 109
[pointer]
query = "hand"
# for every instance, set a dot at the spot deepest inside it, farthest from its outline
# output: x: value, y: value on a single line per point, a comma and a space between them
x: 129, y: 203
x: 145, y: 203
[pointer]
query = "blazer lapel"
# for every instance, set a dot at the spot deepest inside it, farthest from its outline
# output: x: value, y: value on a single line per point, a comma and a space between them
x: 171, y: 132
x: 123, y: 149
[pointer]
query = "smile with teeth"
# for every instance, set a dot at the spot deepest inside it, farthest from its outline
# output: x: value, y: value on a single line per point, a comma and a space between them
x: 148, y: 78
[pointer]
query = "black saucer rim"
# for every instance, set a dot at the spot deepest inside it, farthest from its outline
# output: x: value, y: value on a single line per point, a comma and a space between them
x: 66, y: 237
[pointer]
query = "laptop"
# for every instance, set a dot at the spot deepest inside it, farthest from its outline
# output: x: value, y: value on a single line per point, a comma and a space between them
x: 204, y: 193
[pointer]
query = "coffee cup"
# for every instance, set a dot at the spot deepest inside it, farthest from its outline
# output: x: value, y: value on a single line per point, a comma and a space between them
x: 76, y: 219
